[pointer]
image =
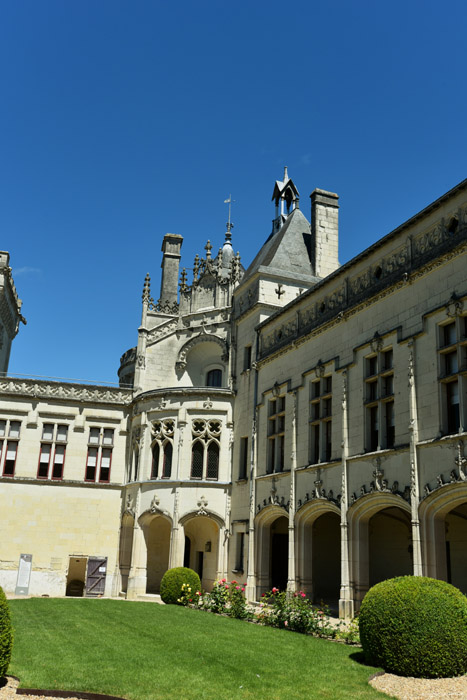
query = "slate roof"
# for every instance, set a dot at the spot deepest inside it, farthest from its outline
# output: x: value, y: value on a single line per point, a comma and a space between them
x: 286, y: 252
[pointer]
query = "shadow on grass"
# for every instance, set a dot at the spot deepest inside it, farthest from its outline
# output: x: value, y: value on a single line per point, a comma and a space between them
x: 359, y: 657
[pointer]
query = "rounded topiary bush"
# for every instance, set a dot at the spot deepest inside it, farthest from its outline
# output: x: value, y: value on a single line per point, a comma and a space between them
x: 415, y: 626
x: 6, y: 634
x: 171, y: 584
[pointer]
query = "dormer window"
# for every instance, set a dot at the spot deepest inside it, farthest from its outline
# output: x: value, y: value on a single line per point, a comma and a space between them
x: 214, y: 378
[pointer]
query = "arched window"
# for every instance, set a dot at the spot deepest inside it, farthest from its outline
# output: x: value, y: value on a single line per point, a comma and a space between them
x: 197, y: 454
x: 155, y: 461
x: 214, y: 377
x: 167, y: 467
x: 212, y: 471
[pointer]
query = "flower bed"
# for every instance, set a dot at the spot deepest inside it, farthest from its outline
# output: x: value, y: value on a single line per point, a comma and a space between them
x: 294, y: 612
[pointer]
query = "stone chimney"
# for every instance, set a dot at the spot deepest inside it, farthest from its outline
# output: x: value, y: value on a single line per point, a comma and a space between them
x: 324, y: 232
x: 170, y: 263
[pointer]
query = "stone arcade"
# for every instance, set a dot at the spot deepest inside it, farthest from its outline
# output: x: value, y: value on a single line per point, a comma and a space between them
x: 299, y: 423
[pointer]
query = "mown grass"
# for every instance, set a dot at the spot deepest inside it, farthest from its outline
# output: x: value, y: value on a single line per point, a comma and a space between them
x: 145, y: 651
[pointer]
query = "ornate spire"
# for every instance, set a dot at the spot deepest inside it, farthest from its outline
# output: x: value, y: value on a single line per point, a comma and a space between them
x: 208, y: 248
x: 183, y: 280
x: 146, y: 289
x: 196, y: 268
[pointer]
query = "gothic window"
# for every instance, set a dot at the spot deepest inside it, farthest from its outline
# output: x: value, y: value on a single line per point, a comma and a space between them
x: 212, y: 471
x: 452, y: 354
x: 9, y: 437
x: 99, y: 458
x: 276, y: 435
x: 167, y: 463
x: 155, y: 460
x: 162, y: 448
x: 247, y: 357
x: 52, y: 452
x: 214, y: 378
x: 205, y: 449
x: 243, y: 467
x: 379, y: 400
x: 320, y: 420
x: 197, y: 458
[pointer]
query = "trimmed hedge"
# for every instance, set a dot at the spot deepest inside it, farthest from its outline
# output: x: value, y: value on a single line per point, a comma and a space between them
x: 171, y: 584
x: 6, y: 634
x: 415, y: 626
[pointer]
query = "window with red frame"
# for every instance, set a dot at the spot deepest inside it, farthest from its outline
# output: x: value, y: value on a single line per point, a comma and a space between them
x: 52, y: 453
x: 9, y: 437
x: 99, y: 457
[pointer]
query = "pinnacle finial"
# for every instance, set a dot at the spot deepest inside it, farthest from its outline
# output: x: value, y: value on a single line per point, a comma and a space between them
x: 146, y: 289
x: 183, y: 280
x: 286, y: 175
x: 208, y: 248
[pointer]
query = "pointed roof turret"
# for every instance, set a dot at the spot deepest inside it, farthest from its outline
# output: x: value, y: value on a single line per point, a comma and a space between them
x: 287, y: 192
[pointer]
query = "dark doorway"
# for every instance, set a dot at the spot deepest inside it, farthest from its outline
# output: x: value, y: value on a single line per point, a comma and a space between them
x: 199, y: 564
x: 279, y: 553
x: 187, y: 555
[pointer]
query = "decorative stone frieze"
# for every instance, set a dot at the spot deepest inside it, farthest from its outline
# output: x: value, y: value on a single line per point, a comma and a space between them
x: 68, y: 392
x: 414, y: 258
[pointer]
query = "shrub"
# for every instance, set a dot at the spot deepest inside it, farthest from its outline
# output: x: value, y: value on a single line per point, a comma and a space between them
x: 172, y: 582
x: 6, y: 634
x: 415, y: 626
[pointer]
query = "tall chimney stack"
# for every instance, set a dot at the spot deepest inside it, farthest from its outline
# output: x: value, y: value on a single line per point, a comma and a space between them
x: 170, y: 263
x: 324, y: 232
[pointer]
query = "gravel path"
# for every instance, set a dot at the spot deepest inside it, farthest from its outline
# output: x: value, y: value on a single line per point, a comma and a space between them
x: 8, y: 692
x: 395, y: 686
x: 421, y: 688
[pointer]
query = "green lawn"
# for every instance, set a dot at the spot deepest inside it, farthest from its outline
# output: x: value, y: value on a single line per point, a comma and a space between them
x: 147, y: 651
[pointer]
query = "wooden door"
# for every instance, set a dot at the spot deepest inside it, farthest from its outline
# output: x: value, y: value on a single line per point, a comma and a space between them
x: 95, y: 577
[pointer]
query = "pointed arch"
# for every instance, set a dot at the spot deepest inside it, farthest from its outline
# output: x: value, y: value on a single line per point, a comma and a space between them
x: 201, y: 338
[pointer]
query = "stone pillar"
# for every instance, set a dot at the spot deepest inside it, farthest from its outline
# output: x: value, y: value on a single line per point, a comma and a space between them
x: 414, y: 476
x: 346, y: 600
x: 137, y: 578
x: 250, y: 592
x: 221, y: 547
x: 291, y: 576
x: 227, y: 535
x: 174, y: 555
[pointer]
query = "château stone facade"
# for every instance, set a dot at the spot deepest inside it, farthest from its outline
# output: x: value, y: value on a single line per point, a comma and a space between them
x: 299, y: 423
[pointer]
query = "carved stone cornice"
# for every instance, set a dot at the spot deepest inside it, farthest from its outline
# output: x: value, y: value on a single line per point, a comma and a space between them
x: 68, y: 392
x: 318, y: 311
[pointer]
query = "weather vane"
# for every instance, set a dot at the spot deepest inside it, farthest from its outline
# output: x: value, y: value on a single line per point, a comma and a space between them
x: 229, y: 201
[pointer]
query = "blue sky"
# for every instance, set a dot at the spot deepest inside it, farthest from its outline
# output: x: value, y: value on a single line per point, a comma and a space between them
x: 122, y: 121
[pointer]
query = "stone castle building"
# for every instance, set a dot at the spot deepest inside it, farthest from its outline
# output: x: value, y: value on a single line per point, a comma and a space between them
x: 299, y: 423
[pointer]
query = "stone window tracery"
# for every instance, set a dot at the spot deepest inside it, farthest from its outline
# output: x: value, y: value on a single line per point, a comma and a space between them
x: 9, y: 437
x: 452, y: 353
x: 205, y: 449
x: 320, y: 420
x: 162, y: 448
x: 52, y: 452
x: 99, y: 457
x: 276, y: 435
x: 379, y: 399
